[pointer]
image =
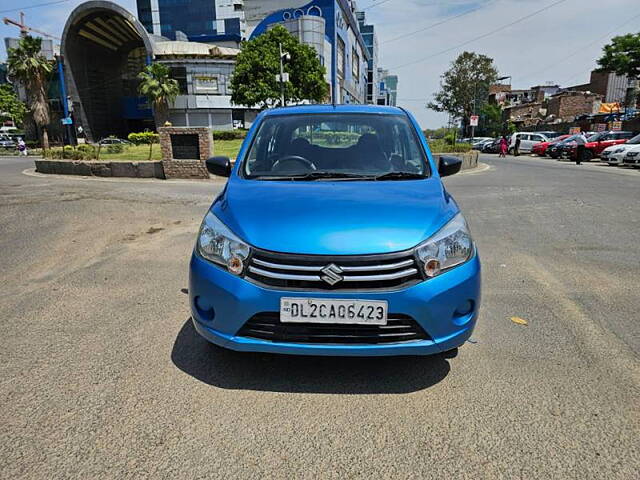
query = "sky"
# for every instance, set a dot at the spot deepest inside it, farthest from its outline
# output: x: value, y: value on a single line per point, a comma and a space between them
x: 533, y: 41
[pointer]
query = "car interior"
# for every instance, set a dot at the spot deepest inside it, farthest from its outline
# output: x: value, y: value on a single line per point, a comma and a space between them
x: 359, y: 145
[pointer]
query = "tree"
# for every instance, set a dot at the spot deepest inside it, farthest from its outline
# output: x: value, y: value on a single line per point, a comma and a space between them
x: 254, y: 78
x: 10, y: 105
x: 159, y: 88
x: 491, y: 123
x: 622, y: 56
x: 465, y: 86
x: 29, y: 67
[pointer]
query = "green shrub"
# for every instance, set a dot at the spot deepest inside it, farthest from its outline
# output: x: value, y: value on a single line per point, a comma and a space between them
x: 115, y: 148
x: 442, y: 146
x: 229, y: 134
x: 70, y: 153
x: 143, y: 138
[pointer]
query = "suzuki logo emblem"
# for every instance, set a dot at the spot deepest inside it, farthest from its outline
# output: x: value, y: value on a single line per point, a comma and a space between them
x: 332, y: 274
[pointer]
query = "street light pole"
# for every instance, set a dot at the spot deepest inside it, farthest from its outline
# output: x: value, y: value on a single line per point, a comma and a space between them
x: 281, y: 77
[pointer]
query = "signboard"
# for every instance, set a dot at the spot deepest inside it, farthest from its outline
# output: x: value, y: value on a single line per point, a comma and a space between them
x: 574, y: 130
x: 473, y: 121
x: 67, y: 121
x: 205, y: 84
x: 185, y: 147
x: 615, y: 126
x: 600, y: 127
x: 285, y: 77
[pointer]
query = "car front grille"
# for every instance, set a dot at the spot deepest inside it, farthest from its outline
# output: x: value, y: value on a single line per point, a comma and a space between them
x: 343, y: 272
x: 267, y: 326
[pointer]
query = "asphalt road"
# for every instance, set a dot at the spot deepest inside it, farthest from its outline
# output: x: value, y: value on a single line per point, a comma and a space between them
x: 102, y: 375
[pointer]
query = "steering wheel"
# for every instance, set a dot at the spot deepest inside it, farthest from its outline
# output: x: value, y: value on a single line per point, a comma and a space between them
x: 280, y: 165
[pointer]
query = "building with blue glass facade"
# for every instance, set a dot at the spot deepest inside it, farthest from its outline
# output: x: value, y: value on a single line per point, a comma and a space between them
x: 371, y: 41
x: 331, y: 28
x: 195, y: 20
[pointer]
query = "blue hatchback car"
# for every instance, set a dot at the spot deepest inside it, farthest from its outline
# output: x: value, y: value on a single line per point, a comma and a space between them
x: 334, y: 235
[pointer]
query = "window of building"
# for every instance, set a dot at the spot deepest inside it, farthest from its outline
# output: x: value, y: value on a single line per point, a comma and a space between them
x: 340, y: 55
x: 355, y: 66
x: 237, y: 7
x: 180, y: 75
x: 232, y: 25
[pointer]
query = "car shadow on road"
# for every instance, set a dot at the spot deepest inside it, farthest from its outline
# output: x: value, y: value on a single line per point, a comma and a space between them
x: 303, y: 374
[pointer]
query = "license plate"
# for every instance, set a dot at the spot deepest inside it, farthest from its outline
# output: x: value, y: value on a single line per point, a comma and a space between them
x: 342, y: 311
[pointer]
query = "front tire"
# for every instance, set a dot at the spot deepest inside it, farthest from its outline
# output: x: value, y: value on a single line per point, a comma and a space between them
x: 453, y: 353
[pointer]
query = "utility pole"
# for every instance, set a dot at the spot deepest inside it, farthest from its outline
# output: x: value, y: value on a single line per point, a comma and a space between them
x: 283, y: 77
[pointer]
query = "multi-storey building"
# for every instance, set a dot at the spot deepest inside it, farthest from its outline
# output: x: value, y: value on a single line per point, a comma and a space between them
x: 371, y: 41
x: 331, y: 28
x: 197, y: 20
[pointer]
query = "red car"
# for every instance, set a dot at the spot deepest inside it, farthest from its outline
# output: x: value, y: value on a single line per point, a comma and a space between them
x: 598, y: 142
x: 541, y: 148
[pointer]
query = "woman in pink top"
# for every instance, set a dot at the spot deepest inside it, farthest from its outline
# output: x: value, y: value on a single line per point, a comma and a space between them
x: 503, y: 146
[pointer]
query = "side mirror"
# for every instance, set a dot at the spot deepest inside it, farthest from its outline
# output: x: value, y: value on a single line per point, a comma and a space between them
x: 219, y: 166
x: 449, y: 166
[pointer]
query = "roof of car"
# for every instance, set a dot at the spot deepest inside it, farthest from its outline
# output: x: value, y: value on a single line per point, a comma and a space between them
x: 334, y: 109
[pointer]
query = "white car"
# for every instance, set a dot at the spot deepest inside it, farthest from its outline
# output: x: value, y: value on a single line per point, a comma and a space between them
x: 527, y: 140
x: 614, y: 154
x: 632, y: 157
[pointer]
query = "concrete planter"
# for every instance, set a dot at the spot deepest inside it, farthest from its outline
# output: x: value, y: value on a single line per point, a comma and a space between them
x: 469, y: 159
x: 101, y: 169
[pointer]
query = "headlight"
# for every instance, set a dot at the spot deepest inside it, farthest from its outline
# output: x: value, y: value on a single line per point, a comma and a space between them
x: 619, y: 150
x: 452, y: 245
x: 632, y: 154
x: 219, y: 245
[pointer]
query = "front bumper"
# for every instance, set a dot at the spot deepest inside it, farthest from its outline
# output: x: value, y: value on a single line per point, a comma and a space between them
x: 632, y: 161
x: 613, y: 158
x: 221, y: 303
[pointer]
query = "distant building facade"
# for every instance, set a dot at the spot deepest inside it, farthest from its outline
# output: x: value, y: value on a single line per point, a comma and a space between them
x: 388, y: 88
x: 195, y: 20
x: 331, y: 28
x: 105, y: 48
x: 371, y: 42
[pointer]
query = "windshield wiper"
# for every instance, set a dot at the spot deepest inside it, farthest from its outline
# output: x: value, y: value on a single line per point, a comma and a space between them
x: 313, y: 176
x: 398, y: 176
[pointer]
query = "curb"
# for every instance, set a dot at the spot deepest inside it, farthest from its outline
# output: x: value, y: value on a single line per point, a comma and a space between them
x: 31, y: 172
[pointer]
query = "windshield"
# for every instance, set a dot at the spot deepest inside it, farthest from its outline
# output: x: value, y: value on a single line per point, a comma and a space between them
x: 335, y: 145
x: 634, y: 141
x: 596, y: 137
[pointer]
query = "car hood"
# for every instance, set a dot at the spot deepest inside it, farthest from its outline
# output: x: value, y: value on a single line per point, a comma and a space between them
x: 613, y: 148
x: 339, y: 218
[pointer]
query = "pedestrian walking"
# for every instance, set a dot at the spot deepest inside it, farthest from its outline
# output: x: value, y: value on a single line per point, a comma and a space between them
x: 504, y: 146
x: 580, y: 140
x: 22, y: 147
x: 516, y: 148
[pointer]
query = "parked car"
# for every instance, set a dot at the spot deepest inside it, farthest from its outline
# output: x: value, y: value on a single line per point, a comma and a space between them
x: 356, y: 248
x: 527, y: 141
x: 551, y: 135
x: 6, y: 142
x: 597, y: 143
x: 113, y: 141
x: 555, y: 150
x: 492, y: 146
x: 480, y: 145
x: 614, y: 155
x: 541, y: 148
x: 632, y: 157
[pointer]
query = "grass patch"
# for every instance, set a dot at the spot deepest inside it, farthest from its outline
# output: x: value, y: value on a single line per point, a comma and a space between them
x: 140, y: 153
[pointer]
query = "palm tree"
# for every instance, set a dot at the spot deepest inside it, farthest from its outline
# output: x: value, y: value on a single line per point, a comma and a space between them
x: 159, y: 88
x: 30, y: 68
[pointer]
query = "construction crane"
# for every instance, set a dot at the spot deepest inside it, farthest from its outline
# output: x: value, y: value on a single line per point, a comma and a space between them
x: 25, y: 29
